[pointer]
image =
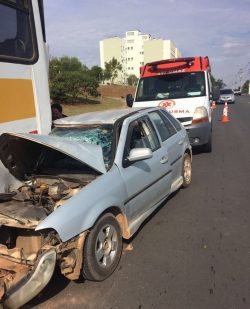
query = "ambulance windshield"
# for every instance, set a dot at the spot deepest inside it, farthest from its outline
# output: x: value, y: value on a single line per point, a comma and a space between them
x: 171, y: 86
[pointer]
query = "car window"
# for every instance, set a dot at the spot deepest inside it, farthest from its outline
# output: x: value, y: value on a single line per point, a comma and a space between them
x: 172, y: 119
x: 226, y: 91
x: 168, y: 125
x: 151, y: 134
x: 141, y: 134
x: 159, y: 122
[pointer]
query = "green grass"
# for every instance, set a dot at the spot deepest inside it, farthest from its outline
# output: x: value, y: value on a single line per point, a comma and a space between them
x: 105, y: 103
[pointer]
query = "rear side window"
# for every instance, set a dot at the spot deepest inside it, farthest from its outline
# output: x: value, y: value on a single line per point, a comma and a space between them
x: 173, y: 120
x: 165, y: 130
x: 17, y: 35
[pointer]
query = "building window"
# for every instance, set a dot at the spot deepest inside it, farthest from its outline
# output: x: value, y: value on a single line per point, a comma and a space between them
x: 130, y: 33
x: 130, y: 41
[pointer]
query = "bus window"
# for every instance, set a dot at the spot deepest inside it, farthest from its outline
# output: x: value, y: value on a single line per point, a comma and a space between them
x: 16, y: 39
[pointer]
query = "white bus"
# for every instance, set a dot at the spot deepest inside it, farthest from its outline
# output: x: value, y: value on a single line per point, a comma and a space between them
x: 24, y: 89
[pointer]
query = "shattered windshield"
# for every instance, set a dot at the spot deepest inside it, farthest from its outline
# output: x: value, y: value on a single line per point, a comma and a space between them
x: 91, y: 134
x: 171, y: 86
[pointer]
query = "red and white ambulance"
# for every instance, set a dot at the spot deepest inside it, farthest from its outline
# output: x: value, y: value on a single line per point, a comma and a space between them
x: 183, y: 86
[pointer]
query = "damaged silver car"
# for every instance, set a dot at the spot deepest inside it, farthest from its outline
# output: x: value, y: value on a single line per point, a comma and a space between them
x: 81, y: 190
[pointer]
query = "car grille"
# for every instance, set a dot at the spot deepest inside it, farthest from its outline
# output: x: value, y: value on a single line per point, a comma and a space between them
x: 226, y: 98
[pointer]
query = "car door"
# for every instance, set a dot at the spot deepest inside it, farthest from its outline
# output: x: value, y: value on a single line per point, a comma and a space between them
x: 148, y: 181
x: 171, y: 142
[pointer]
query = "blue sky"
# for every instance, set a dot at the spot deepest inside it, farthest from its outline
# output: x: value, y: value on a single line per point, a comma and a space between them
x: 219, y: 29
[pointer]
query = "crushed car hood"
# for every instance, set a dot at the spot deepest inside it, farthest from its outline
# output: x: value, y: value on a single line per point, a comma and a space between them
x: 20, y: 152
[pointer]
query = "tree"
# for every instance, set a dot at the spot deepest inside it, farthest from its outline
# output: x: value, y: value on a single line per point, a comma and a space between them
x: 70, y: 79
x: 64, y: 64
x: 245, y: 87
x: 97, y: 73
x: 111, y: 69
x: 217, y: 83
x: 89, y: 87
x: 132, y: 80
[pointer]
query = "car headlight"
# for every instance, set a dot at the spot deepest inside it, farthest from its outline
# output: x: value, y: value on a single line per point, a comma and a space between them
x: 200, y: 115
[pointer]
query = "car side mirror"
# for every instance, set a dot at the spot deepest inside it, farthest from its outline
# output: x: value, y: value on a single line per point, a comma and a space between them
x: 215, y: 94
x: 138, y: 154
x: 129, y: 100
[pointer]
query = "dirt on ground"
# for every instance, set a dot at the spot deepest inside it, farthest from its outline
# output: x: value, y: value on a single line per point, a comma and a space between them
x: 116, y: 90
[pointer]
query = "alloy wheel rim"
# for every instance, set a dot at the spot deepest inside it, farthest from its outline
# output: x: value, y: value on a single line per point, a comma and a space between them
x: 106, y: 246
x: 187, y: 170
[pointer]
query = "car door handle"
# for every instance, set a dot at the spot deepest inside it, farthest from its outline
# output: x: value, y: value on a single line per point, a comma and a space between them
x: 164, y: 159
x: 180, y: 142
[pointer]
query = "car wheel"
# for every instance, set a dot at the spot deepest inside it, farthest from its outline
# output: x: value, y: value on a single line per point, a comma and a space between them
x: 186, y: 170
x: 102, y: 249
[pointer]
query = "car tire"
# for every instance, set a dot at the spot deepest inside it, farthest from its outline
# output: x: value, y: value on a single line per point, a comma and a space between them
x: 102, y: 249
x: 186, y: 170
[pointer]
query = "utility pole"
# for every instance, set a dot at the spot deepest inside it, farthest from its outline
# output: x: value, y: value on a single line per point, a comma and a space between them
x: 240, y: 77
x: 249, y: 78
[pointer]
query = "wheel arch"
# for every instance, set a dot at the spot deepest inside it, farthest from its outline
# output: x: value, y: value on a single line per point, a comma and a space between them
x: 121, y: 219
x: 189, y: 152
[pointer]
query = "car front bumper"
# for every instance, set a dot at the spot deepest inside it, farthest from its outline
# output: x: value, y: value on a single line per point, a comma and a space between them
x: 199, y: 134
x: 33, y: 283
x: 224, y: 101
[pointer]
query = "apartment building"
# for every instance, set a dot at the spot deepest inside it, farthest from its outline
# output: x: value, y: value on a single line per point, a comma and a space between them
x: 135, y: 50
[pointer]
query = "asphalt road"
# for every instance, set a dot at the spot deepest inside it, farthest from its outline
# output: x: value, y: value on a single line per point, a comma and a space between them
x: 194, y: 252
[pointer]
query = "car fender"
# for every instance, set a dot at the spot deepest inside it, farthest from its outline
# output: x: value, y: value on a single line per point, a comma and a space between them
x: 80, y: 212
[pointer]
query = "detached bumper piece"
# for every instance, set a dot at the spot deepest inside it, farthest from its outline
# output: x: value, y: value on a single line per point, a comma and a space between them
x: 33, y: 283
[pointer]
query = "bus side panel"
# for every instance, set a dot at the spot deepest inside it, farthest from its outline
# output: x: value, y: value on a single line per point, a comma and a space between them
x: 40, y: 78
x: 17, y: 100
